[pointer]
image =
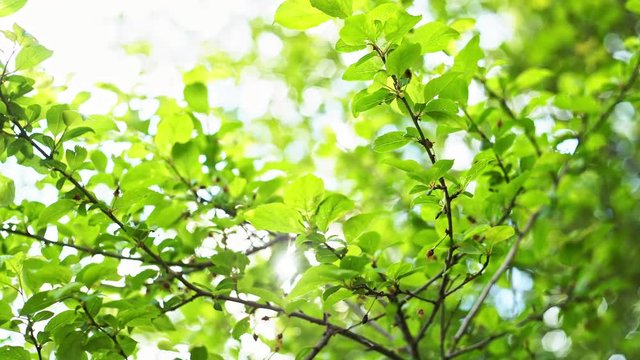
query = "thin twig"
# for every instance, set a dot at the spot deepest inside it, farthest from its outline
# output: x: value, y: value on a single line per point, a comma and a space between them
x: 94, y: 251
x: 506, y: 263
x: 324, y: 341
x: 621, y: 95
x: 112, y: 336
x: 505, y: 107
x: 181, y: 303
x: 471, y: 277
x: 369, y: 321
x: 278, y: 239
x: 401, y: 321
x: 484, y: 137
x: 33, y: 338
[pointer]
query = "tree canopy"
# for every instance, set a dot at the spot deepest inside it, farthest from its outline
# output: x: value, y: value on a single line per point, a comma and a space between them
x: 414, y: 192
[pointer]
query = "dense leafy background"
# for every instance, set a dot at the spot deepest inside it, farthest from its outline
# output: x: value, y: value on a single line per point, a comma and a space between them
x: 433, y: 195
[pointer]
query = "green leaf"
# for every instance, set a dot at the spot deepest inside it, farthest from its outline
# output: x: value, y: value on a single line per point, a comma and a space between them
x: 499, y: 233
x: 357, y: 30
x: 457, y: 90
x: 32, y: 55
x: 332, y: 208
x: 6, y: 313
x: 403, y: 58
x: 410, y: 166
x: 434, y: 36
x: 438, y: 170
x: 100, y: 123
x: 37, y: 302
x: 364, y: 69
x: 363, y: 100
x: 475, y: 171
x: 304, y: 353
x: 398, y: 271
x: 299, y: 15
x: 390, y: 141
x: 369, y: 242
x: 440, y: 109
x: 197, y: 96
x: 335, y: 8
x: 71, y: 346
x: 318, y: 276
x: 435, y: 86
x: 305, y: 194
x: 173, y: 129
x: 633, y: 6
x: 356, y: 225
x: 8, y: 7
x: 100, y: 160
x: 76, y: 132
x: 75, y: 158
x: 198, y: 353
x: 531, y: 77
x: 37, y: 272
x: 396, y: 27
x: 93, y: 273
x: 7, y: 191
x: 581, y: 104
x: 137, y: 316
x: 466, y: 61
x: 226, y: 262
x: 60, y: 320
x: 55, y: 211
x: 504, y: 143
x: 266, y: 295
x: 55, y: 121
x: 240, y: 328
x: 135, y: 199
x: 70, y: 117
x: 275, y: 217
x: 341, y: 46
x: 14, y: 353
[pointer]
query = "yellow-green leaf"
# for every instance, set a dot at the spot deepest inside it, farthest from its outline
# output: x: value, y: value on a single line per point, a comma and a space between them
x: 275, y: 217
x: 299, y: 15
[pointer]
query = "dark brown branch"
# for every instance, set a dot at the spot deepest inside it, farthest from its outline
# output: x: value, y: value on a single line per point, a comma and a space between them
x: 34, y: 340
x: 324, y: 341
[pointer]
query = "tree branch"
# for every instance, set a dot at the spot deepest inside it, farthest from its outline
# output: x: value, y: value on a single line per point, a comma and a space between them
x: 505, y: 107
x: 506, y: 263
x: 324, y: 341
x: 112, y: 336
x: 94, y: 251
x: 484, y: 137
